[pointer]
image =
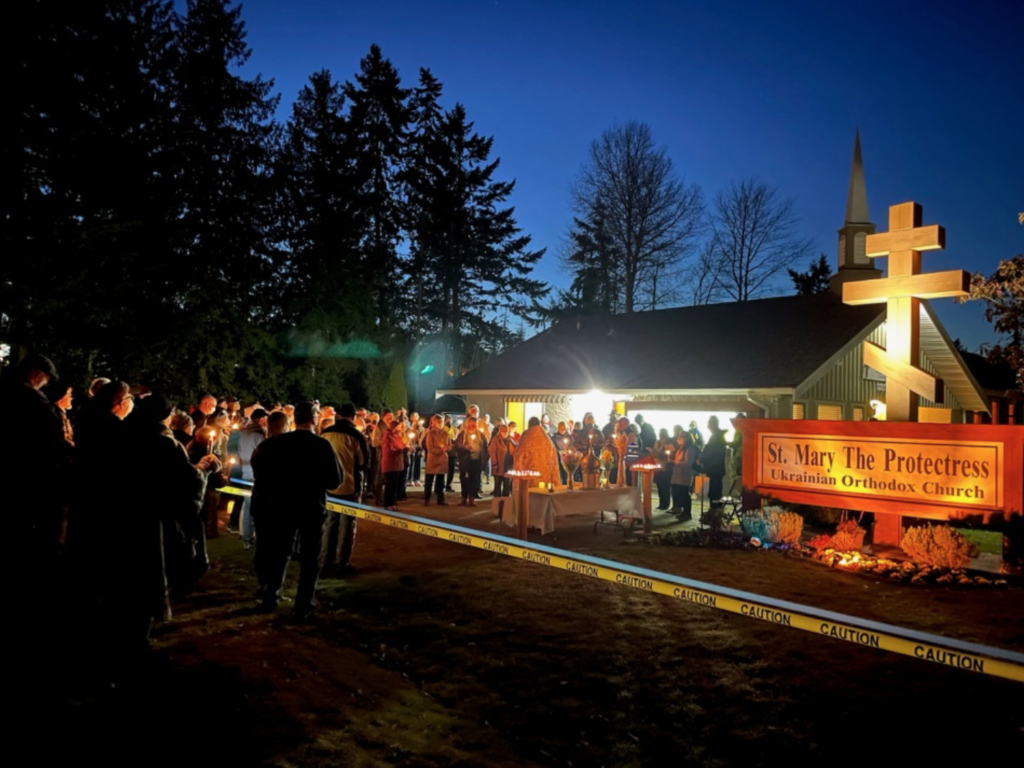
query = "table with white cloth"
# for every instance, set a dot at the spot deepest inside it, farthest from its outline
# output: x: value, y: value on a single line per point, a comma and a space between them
x: 546, y: 506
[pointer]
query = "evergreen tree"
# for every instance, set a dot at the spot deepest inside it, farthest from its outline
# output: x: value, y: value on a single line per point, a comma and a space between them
x: 322, y: 228
x: 473, y: 257
x: 225, y: 140
x: 378, y: 123
x: 393, y: 395
x: 425, y: 123
x: 815, y: 280
x: 595, y: 263
x: 87, y: 182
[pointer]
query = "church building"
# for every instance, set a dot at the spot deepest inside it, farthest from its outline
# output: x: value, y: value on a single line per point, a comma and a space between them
x: 798, y: 357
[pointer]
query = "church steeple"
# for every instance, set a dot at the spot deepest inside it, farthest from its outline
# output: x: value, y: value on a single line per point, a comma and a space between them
x: 853, y: 262
x: 857, y: 196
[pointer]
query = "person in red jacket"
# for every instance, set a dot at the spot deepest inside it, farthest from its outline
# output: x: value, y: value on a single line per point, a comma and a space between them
x: 393, y: 450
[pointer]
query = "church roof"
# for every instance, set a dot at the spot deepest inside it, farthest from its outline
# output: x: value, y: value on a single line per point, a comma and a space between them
x: 767, y: 343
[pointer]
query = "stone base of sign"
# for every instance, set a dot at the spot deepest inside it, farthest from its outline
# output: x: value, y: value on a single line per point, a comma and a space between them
x: 888, y: 530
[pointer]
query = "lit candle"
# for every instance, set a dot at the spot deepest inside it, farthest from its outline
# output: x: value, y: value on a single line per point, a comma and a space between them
x: 209, y: 445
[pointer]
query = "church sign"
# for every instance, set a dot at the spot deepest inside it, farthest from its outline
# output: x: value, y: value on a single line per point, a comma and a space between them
x: 960, y: 474
x: 937, y: 471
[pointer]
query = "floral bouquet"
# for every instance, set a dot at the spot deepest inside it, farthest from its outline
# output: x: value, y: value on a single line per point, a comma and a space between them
x: 607, y: 460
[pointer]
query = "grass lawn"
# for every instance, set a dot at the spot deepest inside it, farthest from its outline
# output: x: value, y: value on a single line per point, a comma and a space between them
x: 432, y: 654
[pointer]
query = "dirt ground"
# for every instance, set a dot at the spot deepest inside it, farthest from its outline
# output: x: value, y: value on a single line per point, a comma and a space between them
x: 433, y: 654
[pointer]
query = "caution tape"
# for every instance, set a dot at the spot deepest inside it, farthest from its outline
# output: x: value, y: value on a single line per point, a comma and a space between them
x: 948, y: 652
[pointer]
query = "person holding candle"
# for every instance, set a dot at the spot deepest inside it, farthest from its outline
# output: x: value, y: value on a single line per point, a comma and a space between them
x: 380, y: 428
x: 588, y: 438
x: 436, y: 444
x: 452, y: 454
x: 662, y: 451
x: 471, y: 447
x: 393, y: 453
x: 203, y: 411
x: 204, y: 442
x: 686, y: 457
x: 502, y: 450
x: 416, y: 432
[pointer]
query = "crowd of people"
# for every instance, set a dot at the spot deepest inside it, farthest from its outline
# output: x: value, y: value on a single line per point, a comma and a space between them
x: 125, y: 550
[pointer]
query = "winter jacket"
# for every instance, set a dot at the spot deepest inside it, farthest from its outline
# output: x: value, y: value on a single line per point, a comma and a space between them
x: 293, y: 473
x: 682, y: 470
x: 436, y: 443
x: 499, y: 448
x: 392, y: 452
x: 353, y: 455
x: 248, y: 439
x: 712, y: 460
x: 471, y: 446
x: 582, y: 440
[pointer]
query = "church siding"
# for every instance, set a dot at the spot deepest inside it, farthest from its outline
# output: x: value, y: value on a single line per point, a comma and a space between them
x: 845, y: 383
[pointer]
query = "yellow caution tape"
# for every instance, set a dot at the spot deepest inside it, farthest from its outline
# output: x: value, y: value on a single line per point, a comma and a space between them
x: 948, y: 652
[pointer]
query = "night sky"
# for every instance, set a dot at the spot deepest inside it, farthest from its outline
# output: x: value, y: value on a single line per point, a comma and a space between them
x: 732, y: 89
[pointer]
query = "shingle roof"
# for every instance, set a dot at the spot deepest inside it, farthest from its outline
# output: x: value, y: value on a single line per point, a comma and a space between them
x: 746, y: 345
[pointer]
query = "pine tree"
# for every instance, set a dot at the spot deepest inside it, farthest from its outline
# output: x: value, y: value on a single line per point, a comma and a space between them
x: 378, y: 123
x: 394, y: 394
x: 815, y: 280
x: 88, y: 183
x: 225, y: 140
x: 471, y: 253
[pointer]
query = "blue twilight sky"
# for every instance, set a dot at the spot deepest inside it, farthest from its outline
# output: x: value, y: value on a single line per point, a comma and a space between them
x: 732, y: 89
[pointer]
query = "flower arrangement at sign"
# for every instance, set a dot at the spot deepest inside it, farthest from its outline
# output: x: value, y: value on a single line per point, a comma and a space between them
x: 571, y: 461
x: 607, y: 465
x: 773, y: 525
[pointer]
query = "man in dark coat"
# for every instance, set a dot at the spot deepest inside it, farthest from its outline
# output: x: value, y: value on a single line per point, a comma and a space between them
x: 155, y: 540
x: 38, y: 462
x: 36, y: 469
x: 712, y: 459
x: 293, y: 473
x: 647, y: 436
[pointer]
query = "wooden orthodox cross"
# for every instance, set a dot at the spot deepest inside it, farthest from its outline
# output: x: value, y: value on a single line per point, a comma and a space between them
x: 902, y: 291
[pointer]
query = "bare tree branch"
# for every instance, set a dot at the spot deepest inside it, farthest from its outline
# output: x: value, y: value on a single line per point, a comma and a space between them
x: 754, y: 239
x: 649, y: 218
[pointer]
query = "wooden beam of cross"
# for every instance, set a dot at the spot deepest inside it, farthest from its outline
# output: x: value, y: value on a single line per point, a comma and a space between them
x: 902, y: 291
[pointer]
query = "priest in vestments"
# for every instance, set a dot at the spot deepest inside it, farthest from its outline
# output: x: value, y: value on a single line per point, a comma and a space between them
x: 536, y: 452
